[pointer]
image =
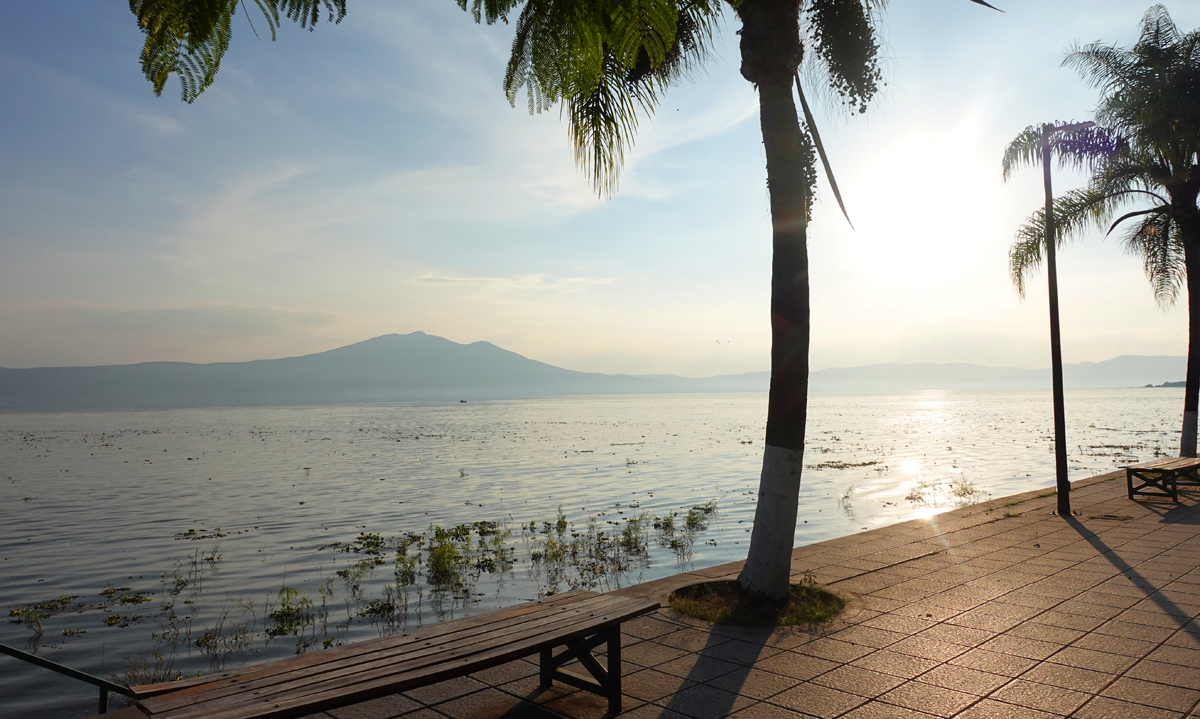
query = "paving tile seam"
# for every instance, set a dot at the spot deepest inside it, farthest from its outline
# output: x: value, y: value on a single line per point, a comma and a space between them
x: 993, y: 572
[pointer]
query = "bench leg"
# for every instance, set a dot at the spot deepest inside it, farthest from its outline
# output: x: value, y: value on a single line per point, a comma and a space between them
x: 1164, y: 481
x: 605, y: 681
x: 614, y: 669
x: 547, y: 667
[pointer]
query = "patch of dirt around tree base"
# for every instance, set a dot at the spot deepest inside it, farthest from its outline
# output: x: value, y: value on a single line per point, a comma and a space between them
x: 723, y: 602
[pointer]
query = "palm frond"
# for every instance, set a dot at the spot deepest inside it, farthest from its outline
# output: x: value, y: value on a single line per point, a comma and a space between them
x: 820, y: 146
x: 1150, y: 92
x: 1156, y: 239
x: 1082, y: 149
x: 188, y: 38
x: 1025, y: 150
x: 307, y: 13
x: 1136, y: 213
x: 606, y: 62
x: 1074, y: 213
x: 1025, y: 254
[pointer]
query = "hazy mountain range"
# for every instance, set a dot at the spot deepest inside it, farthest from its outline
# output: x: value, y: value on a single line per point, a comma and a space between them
x: 418, y: 366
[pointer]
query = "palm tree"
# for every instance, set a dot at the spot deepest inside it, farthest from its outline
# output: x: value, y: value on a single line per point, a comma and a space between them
x: 607, y: 62
x: 1150, y: 154
x: 1036, y: 145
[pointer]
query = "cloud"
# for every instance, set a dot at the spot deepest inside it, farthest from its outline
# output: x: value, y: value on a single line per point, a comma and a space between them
x: 525, y: 282
x: 226, y: 319
x: 119, y: 110
x: 82, y: 333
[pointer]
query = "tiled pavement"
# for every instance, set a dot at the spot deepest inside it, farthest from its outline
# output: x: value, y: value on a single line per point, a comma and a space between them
x: 997, y: 610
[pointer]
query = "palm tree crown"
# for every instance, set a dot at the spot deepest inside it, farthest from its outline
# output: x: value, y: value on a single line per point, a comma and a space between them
x: 1147, y: 155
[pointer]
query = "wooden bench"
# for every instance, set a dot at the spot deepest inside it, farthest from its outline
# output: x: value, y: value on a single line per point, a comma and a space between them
x: 1162, y: 477
x: 321, y: 680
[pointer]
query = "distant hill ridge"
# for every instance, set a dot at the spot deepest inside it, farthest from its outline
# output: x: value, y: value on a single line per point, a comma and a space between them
x: 419, y: 366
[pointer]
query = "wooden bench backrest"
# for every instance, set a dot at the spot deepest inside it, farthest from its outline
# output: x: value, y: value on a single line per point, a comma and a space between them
x: 327, y: 679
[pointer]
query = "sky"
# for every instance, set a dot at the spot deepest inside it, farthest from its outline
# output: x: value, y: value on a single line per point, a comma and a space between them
x: 371, y: 177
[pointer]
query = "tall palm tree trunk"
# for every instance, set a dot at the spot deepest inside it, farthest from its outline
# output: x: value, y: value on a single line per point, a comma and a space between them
x: 770, y: 54
x: 1062, y: 480
x: 1191, y: 257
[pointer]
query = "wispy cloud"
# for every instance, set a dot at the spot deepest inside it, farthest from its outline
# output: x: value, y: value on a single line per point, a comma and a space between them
x: 118, y: 109
x: 84, y: 333
x: 525, y: 282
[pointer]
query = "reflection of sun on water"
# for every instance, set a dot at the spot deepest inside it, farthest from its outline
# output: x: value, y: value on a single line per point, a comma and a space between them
x: 910, y: 466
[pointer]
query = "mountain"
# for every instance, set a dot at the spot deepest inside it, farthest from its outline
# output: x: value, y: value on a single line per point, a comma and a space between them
x: 1123, y: 371
x: 418, y: 366
x: 390, y: 368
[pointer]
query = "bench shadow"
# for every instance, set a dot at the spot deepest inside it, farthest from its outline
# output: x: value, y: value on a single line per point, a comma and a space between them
x: 1182, y: 513
x: 1169, y: 512
x: 1149, y: 588
x: 697, y: 696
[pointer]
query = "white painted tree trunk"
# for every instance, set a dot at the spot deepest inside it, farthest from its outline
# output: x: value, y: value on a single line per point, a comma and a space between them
x: 1188, y: 440
x: 768, y: 566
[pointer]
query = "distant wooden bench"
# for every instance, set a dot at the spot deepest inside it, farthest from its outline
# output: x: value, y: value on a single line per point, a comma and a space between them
x: 1162, y: 477
x: 332, y: 678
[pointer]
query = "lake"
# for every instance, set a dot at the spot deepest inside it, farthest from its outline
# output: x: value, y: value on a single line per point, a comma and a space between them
x: 149, y: 545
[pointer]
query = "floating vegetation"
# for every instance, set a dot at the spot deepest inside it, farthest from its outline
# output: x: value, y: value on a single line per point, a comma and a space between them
x: 437, y: 571
x: 195, y: 535
x: 960, y: 491
x: 293, y: 612
x: 227, y: 637
x: 150, y: 668
x: 32, y: 615
x: 966, y: 493
x: 680, y: 537
x: 562, y: 556
x: 122, y: 620
x: 835, y: 464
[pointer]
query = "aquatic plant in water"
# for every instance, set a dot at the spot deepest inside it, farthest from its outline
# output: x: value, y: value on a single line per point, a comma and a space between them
x: 437, y: 570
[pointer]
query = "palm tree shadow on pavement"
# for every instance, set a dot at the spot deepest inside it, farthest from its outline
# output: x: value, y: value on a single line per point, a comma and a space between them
x: 1154, y: 593
x: 723, y: 665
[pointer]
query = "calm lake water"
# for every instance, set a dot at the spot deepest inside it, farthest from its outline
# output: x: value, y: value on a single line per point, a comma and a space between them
x: 145, y: 545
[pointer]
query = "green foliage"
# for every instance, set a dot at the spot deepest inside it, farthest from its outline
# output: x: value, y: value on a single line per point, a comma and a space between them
x: 189, y: 38
x: 1150, y: 92
x: 606, y: 61
x: 1085, y: 148
x: 561, y: 555
x: 444, y: 563
x: 32, y: 615
x: 293, y: 613
x: 1148, y: 153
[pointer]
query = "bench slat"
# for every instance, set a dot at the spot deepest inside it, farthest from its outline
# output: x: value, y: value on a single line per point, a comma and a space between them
x: 369, y: 646
x: 397, y: 658
x: 285, y: 687
x: 1168, y: 464
x: 287, y: 707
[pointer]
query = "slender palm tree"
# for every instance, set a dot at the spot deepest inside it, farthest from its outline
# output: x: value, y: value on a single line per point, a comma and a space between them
x: 1148, y: 157
x: 1037, y: 145
x: 607, y: 63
